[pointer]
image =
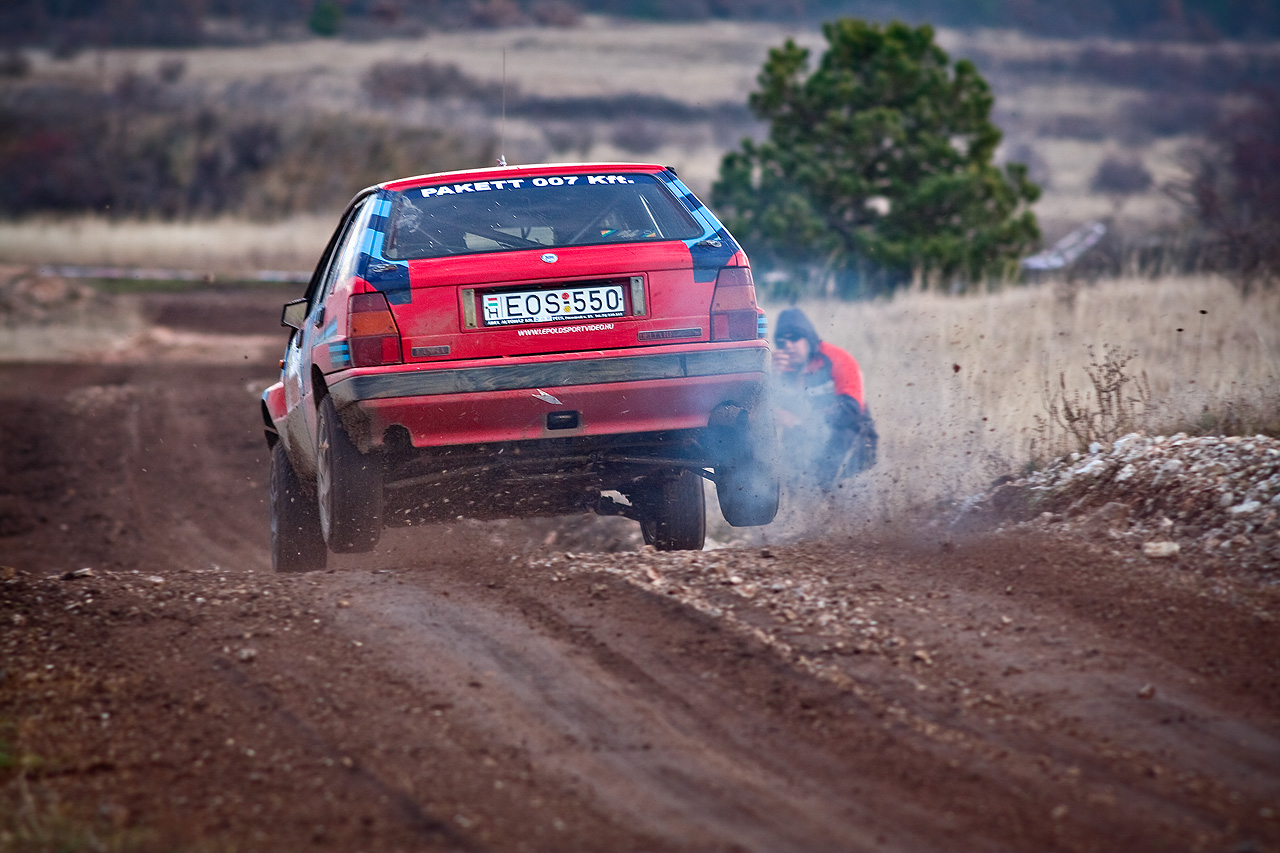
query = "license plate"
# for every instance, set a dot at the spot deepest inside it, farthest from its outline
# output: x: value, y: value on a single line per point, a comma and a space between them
x: 514, y: 308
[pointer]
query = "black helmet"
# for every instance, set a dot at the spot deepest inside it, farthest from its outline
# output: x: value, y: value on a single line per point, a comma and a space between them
x: 792, y: 325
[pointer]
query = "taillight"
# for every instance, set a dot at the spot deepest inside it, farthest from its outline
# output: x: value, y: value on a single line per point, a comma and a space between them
x: 371, y: 331
x: 733, y: 307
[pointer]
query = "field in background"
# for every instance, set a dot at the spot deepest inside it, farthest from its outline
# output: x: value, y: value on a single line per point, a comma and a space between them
x: 676, y: 94
x: 960, y: 386
x: 221, y: 248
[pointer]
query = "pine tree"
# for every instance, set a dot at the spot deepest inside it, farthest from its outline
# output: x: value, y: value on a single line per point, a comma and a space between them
x: 877, y: 167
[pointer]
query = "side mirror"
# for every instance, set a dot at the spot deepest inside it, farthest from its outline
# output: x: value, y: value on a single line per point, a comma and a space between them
x: 294, y: 314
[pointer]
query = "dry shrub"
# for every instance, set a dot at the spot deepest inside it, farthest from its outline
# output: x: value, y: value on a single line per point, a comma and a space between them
x: 1115, y: 403
x: 555, y: 13
x: 637, y: 136
x: 132, y: 152
x: 1090, y: 128
x: 1156, y: 68
x: 1231, y: 190
x: 1171, y: 114
x: 1121, y: 176
x: 396, y: 81
x: 494, y: 13
x: 14, y: 63
x: 569, y: 137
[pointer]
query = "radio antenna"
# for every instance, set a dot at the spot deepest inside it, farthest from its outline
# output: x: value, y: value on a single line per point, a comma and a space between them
x: 502, y: 139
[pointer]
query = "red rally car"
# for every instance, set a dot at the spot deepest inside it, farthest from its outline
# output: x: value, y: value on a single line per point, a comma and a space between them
x: 518, y: 341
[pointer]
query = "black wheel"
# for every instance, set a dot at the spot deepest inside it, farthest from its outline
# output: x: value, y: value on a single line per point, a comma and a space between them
x: 675, y: 514
x: 749, y: 493
x: 749, y: 484
x: 297, y: 544
x: 348, y: 487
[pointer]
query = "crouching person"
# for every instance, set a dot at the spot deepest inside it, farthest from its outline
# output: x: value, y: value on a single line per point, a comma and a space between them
x: 827, y: 434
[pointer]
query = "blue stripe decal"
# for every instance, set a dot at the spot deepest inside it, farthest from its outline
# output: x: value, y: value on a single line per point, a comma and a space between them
x: 379, y: 213
x: 715, y: 230
x: 389, y: 277
x: 691, y: 201
x: 340, y: 354
x: 707, y: 258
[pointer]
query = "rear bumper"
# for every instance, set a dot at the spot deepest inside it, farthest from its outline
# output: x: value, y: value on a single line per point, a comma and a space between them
x: 589, y: 394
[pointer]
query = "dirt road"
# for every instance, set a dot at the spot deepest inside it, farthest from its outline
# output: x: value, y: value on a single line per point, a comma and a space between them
x: 528, y: 686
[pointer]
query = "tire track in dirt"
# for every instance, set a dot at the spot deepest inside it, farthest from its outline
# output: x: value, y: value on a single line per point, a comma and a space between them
x: 646, y: 740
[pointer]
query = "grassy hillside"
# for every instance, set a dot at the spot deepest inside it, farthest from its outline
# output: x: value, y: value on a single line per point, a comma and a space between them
x: 296, y: 127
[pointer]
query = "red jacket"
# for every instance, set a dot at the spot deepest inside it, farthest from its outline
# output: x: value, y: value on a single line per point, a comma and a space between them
x: 830, y: 374
x: 845, y: 372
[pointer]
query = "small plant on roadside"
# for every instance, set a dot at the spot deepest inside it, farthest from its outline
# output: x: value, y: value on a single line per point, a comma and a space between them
x: 33, y: 819
x: 1237, y: 417
x: 1116, y: 402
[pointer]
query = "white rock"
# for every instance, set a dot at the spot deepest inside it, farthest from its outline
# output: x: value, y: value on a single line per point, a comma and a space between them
x: 1124, y: 442
x: 1094, y: 467
x: 1161, y: 550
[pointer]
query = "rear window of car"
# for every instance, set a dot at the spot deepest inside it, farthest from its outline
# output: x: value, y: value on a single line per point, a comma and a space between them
x: 548, y: 211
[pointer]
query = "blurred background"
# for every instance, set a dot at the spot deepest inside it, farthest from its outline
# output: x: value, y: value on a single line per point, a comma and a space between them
x: 266, y: 112
x: 222, y: 138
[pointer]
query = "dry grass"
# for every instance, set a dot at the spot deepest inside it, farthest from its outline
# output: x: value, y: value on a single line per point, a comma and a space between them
x: 958, y: 384
x: 224, y: 246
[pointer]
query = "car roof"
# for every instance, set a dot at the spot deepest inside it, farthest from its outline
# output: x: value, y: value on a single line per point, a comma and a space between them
x: 506, y: 172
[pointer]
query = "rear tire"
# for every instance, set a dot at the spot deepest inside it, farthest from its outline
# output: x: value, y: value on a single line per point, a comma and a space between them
x: 749, y: 485
x: 749, y: 494
x: 348, y: 487
x: 675, y: 514
x: 297, y: 544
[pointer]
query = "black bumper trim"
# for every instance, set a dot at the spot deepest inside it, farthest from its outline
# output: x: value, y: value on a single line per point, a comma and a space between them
x: 557, y: 374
